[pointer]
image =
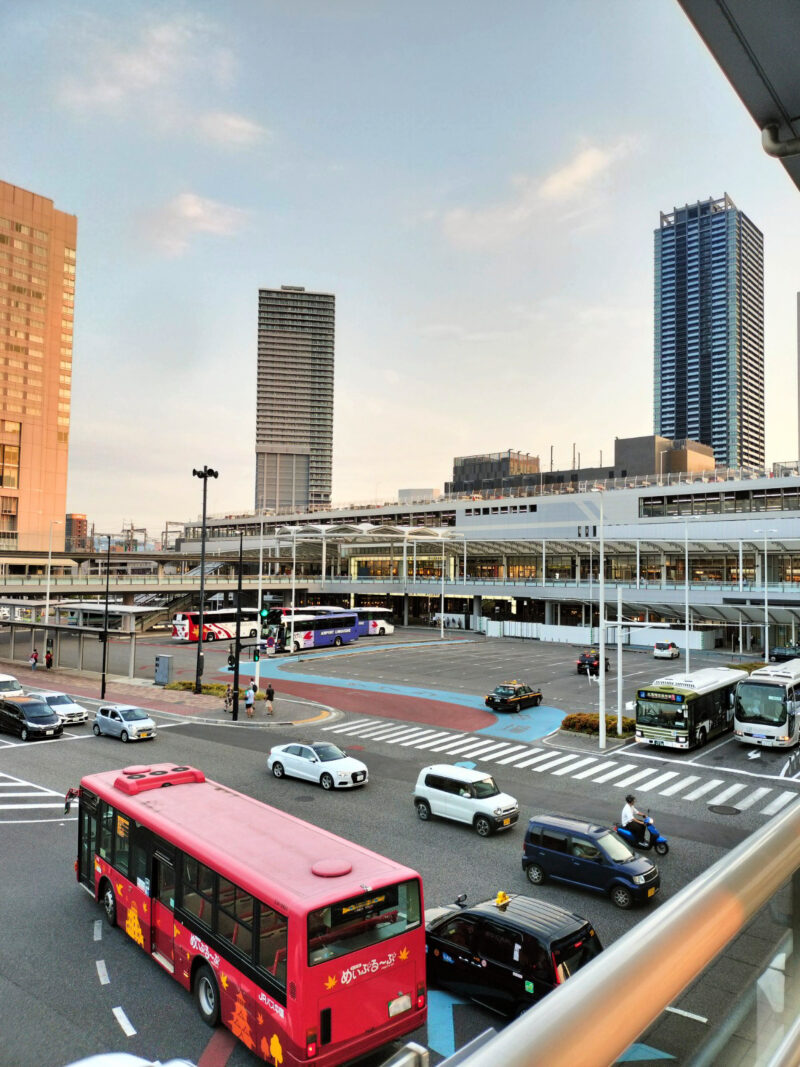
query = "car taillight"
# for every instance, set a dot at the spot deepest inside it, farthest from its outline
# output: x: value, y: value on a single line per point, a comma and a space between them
x: 556, y: 969
x: 420, y: 995
x: 311, y: 1044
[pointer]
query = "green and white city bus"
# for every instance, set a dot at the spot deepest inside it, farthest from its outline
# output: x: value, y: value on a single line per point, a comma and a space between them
x: 686, y: 710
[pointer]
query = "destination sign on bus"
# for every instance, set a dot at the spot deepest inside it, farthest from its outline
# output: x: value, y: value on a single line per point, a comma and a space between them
x: 656, y: 694
x: 366, y: 905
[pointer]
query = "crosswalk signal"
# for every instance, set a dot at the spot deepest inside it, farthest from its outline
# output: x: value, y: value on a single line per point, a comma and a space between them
x: 256, y: 654
x: 231, y: 660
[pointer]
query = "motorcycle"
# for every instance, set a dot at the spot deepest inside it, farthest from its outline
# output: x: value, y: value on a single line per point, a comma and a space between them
x: 652, y: 838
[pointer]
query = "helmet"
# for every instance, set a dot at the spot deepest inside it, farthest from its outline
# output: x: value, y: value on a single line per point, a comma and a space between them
x: 629, y: 799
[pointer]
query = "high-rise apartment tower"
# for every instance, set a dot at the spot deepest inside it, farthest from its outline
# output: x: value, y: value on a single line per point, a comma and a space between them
x: 294, y: 407
x: 709, y: 330
x: 37, y: 303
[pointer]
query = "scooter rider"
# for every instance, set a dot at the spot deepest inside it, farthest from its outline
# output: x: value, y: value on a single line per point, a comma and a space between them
x: 632, y: 819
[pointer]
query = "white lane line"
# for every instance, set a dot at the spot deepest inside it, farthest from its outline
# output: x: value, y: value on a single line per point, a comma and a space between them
x: 726, y: 794
x: 596, y: 770
x: 102, y: 972
x: 615, y: 773
x: 535, y: 759
x: 437, y: 737
x: 574, y: 766
x: 682, y: 783
x: 98, y: 929
x: 703, y: 789
x: 556, y: 762
x: 510, y: 749
x: 779, y: 802
x: 752, y: 798
x: 124, y: 1022
x: 637, y: 778
x: 518, y: 755
x: 665, y: 777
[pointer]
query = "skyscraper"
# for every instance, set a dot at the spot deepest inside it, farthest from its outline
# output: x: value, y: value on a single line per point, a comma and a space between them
x: 709, y: 330
x: 294, y: 407
x: 37, y: 302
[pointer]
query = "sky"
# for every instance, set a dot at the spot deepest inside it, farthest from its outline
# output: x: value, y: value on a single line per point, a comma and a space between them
x: 478, y: 185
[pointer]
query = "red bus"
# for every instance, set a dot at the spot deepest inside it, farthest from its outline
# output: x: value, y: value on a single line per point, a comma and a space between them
x: 219, y: 624
x: 309, y: 948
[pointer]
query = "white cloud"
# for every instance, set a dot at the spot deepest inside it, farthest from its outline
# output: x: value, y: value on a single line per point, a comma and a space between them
x: 228, y: 128
x: 531, y: 199
x: 188, y: 214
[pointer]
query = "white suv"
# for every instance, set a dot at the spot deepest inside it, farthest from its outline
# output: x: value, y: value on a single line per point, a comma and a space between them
x: 471, y: 797
x: 666, y: 650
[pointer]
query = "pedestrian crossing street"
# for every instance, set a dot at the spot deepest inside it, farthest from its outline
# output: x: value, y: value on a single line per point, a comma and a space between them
x: 764, y: 800
x: 19, y: 799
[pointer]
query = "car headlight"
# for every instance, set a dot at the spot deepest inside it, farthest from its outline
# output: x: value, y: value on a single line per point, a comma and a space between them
x: 638, y: 879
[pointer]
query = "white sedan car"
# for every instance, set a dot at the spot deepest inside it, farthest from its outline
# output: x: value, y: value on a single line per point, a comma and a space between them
x: 65, y: 707
x: 320, y: 762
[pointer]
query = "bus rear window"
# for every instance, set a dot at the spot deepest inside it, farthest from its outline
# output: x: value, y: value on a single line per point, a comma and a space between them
x: 569, y: 956
x: 360, y: 922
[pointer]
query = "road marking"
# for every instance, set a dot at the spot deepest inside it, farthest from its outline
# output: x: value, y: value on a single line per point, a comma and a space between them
x: 683, y: 783
x: 433, y: 740
x: 661, y: 778
x: 534, y: 759
x: 444, y: 745
x: 393, y: 731
x: 726, y: 794
x: 501, y: 750
x: 779, y: 802
x: 102, y: 972
x: 518, y: 756
x: 555, y: 763
x: 574, y: 766
x: 29, y: 807
x: 509, y: 749
x: 615, y: 773
x: 414, y: 737
x: 648, y: 773
x: 98, y: 929
x: 350, y: 726
x: 703, y: 789
x: 596, y: 770
x: 471, y: 750
x: 687, y: 1014
x: 751, y: 799
x: 124, y: 1022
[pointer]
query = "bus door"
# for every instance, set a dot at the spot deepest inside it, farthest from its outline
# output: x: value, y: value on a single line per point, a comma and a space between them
x: 162, y: 891
x: 87, y: 838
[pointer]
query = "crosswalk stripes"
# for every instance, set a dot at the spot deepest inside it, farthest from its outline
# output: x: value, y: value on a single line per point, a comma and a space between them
x: 34, y: 798
x: 600, y: 770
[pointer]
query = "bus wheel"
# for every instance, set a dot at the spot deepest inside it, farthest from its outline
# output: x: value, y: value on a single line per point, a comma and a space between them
x: 381, y: 632
x: 109, y: 903
x: 206, y: 994
x: 209, y: 637
x: 297, y: 646
x: 701, y: 737
x: 338, y: 642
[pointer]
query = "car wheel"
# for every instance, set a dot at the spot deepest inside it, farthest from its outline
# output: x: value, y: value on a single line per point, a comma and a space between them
x: 483, y: 826
x: 124, y: 737
x: 535, y: 874
x: 96, y: 730
x: 206, y: 994
x: 338, y: 642
x: 701, y: 737
x: 537, y: 702
x: 24, y: 734
x: 326, y: 781
x: 109, y: 903
x: 277, y: 770
x: 423, y: 810
x: 662, y: 848
x: 772, y: 659
x: 621, y: 896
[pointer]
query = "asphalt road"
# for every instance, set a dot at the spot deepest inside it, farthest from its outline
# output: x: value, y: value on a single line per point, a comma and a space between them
x: 54, y: 1003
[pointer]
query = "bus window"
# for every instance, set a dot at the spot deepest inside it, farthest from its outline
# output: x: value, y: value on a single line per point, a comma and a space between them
x: 272, y: 943
x: 122, y: 844
x: 362, y: 921
x: 198, y: 890
x: 235, y: 916
x: 106, y: 830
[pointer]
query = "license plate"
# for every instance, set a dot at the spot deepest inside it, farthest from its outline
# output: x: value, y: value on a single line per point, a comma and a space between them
x: 48, y: 733
x: 651, y: 891
x: 145, y: 733
x: 399, y: 1005
x: 758, y: 735
x: 656, y: 742
x: 506, y: 822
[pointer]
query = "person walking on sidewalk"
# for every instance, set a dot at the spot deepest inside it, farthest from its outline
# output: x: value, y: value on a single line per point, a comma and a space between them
x: 48, y: 659
x: 34, y: 660
x: 228, y: 701
x: 249, y: 699
x: 270, y: 698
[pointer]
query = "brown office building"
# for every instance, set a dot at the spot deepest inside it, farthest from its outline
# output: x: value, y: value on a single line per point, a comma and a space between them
x: 37, y: 300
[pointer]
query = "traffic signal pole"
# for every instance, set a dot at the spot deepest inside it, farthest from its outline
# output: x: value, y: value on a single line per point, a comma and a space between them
x: 237, y: 648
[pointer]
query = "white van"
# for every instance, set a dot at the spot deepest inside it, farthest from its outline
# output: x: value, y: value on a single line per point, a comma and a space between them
x: 464, y: 795
x: 10, y: 687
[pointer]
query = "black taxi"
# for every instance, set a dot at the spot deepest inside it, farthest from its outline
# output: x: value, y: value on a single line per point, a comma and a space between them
x: 513, y: 696
x: 508, y: 952
x: 589, y: 662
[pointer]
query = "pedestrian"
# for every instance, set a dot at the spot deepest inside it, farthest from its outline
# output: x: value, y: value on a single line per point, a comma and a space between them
x: 249, y: 699
x: 228, y: 702
x: 48, y: 659
x: 34, y: 659
x: 270, y: 698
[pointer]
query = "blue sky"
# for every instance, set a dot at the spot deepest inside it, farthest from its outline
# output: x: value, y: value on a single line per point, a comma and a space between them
x: 478, y: 185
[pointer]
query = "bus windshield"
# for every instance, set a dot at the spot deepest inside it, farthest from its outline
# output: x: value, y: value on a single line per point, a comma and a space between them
x: 363, y: 921
x: 764, y: 704
x: 654, y: 713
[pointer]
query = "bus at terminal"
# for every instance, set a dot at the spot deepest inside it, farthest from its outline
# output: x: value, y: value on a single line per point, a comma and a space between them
x: 767, y: 710
x: 300, y: 631
x: 309, y: 948
x: 219, y: 624
x: 685, y: 711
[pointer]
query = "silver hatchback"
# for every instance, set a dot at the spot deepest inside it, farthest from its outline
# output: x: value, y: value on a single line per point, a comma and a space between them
x: 124, y: 721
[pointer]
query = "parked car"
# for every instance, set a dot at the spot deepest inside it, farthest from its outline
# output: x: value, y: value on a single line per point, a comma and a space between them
x: 29, y: 718
x: 10, y: 687
x: 784, y: 653
x: 464, y: 795
x: 319, y: 762
x: 65, y: 707
x: 589, y: 856
x: 124, y: 721
x: 506, y: 953
x: 666, y: 650
x: 589, y: 662
x: 513, y: 696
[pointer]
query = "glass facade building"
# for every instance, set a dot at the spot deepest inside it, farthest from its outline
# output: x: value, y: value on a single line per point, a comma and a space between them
x: 294, y: 407
x: 709, y: 330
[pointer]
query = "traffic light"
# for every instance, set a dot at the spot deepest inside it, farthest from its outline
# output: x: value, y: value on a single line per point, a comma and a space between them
x: 231, y: 660
x: 262, y: 615
x: 256, y: 654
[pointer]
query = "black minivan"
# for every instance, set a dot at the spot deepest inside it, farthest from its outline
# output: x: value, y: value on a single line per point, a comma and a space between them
x: 506, y: 953
x: 29, y: 718
x: 589, y: 856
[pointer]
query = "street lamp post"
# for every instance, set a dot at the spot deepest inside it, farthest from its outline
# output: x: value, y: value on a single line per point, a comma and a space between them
x: 105, y: 620
x: 441, y: 600
x: 237, y: 648
x: 205, y: 474
x: 601, y: 665
x: 766, y: 594
x: 686, y: 593
x: 294, y: 579
x: 54, y: 522
x: 260, y: 595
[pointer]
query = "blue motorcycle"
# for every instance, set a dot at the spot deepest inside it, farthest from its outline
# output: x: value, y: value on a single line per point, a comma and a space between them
x: 651, y: 838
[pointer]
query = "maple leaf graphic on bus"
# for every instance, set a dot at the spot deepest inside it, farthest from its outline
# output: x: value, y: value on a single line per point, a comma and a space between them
x: 331, y: 981
x: 403, y: 953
